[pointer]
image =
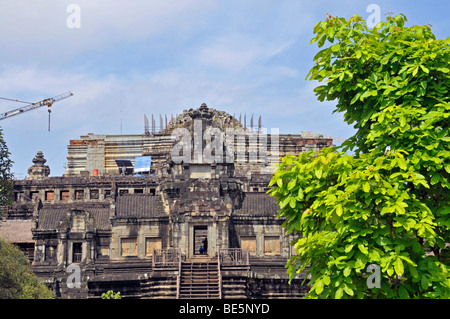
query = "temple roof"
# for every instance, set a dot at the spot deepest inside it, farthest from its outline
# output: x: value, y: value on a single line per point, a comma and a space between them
x: 139, y: 205
x: 50, y: 216
x: 16, y: 231
x: 258, y: 204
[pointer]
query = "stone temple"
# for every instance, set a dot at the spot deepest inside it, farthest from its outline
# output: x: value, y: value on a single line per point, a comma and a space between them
x: 178, y: 213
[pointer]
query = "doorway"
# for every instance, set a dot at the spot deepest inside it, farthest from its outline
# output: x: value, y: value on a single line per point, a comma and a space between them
x: 200, y: 240
x: 77, y: 250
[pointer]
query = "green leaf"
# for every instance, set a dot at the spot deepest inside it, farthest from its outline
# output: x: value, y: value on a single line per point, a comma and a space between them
x: 334, y: 218
x: 326, y: 280
x: 363, y: 249
x: 349, y: 248
x: 347, y: 271
x: 348, y: 290
x: 339, y: 210
x: 398, y: 267
x: 403, y: 293
x: 401, y: 163
x: 335, y: 48
x: 322, y: 40
x: 292, y: 202
x: 366, y: 187
x: 359, y: 263
x: 339, y: 293
x: 423, y: 84
x: 355, y: 98
x: 390, y: 271
x: 285, y: 201
x: 280, y: 182
x: 318, y: 173
x: 424, y: 69
x: 435, y: 179
x: 413, y: 271
x: 319, y: 286
x: 330, y: 33
x: 424, y: 282
x: 292, y: 183
x: 300, y: 193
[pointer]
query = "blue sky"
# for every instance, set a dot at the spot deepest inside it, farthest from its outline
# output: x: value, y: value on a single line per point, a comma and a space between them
x: 142, y: 56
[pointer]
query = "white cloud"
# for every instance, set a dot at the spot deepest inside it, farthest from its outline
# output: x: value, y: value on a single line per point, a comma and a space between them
x: 37, y: 30
x: 231, y: 53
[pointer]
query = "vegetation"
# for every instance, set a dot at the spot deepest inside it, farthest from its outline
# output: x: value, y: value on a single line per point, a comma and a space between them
x: 17, y: 280
x: 111, y: 295
x: 6, y: 176
x: 388, y: 205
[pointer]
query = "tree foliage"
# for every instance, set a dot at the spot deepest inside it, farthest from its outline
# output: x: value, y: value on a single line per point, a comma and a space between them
x: 17, y: 280
x: 111, y: 295
x: 6, y: 176
x: 388, y: 204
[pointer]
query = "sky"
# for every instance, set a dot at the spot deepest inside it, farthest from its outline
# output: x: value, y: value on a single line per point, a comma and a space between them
x: 124, y: 59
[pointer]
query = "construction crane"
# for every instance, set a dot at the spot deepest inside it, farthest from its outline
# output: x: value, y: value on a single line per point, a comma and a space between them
x: 339, y: 139
x: 49, y: 102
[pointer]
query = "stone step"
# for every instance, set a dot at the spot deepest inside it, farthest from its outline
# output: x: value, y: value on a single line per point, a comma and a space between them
x: 193, y: 290
x: 232, y: 289
x: 202, y: 296
x: 236, y: 296
x: 159, y: 289
x: 200, y: 275
x: 214, y: 267
x: 200, y: 272
x: 199, y: 280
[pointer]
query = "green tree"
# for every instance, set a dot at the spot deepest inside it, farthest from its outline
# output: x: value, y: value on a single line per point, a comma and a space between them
x: 6, y: 176
x: 17, y: 280
x: 388, y: 204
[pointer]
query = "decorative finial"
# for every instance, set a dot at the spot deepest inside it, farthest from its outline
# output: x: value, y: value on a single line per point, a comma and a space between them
x: 39, y: 159
x: 203, y: 107
x: 39, y: 170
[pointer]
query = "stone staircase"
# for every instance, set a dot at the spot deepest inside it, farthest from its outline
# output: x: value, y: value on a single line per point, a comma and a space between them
x: 159, y: 288
x: 199, y: 279
x: 234, y: 287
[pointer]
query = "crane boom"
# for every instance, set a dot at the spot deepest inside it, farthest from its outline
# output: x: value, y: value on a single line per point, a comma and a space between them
x: 49, y: 102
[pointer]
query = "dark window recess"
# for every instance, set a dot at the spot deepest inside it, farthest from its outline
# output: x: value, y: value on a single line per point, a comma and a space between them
x: 123, y: 191
x: 64, y: 195
x: 34, y: 195
x: 48, y: 253
x: 77, y: 250
x: 19, y: 196
x: 79, y: 194
x: 173, y: 192
x: 107, y: 193
x: 152, y: 191
x: 49, y: 195
x: 94, y: 194
x: 138, y: 191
